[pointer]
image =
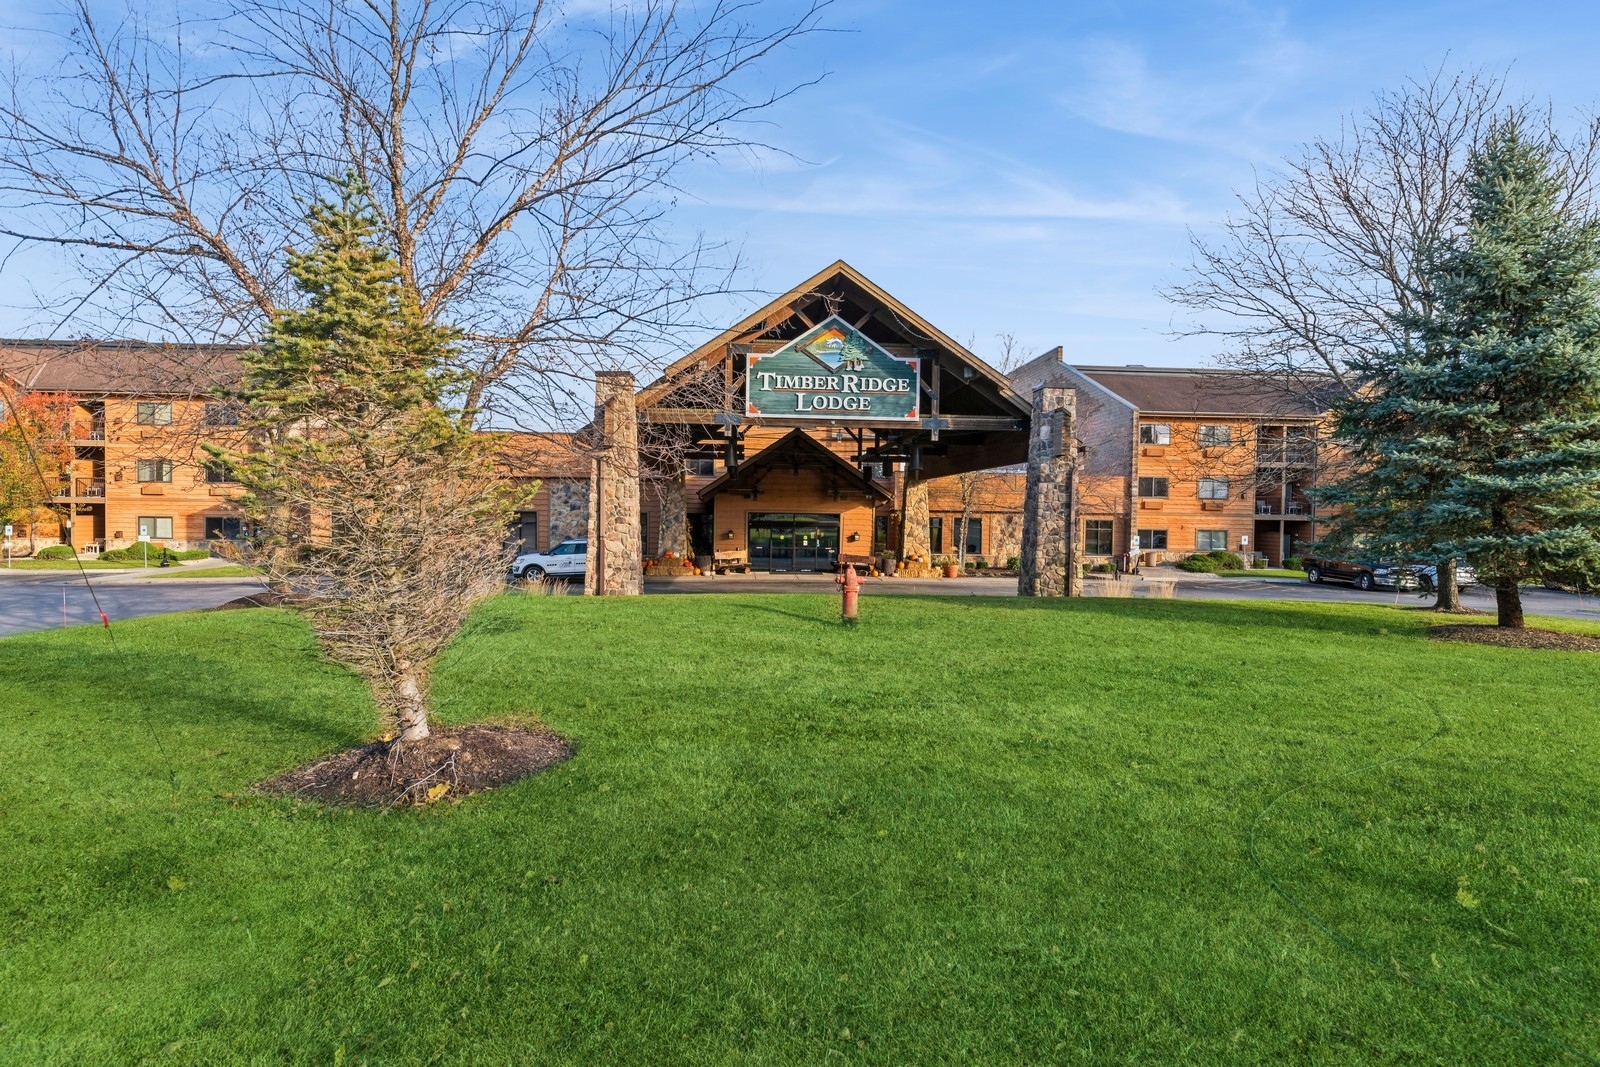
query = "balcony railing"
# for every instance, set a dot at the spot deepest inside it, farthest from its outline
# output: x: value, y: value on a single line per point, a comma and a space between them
x: 89, y: 432
x: 1296, y: 509
x: 84, y: 487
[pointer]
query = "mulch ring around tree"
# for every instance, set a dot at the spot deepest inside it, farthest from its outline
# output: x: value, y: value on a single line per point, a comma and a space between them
x: 1509, y: 638
x: 449, y: 764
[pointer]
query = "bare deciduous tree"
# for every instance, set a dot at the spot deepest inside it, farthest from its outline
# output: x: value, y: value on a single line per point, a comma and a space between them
x: 1324, y: 255
x: 522, y: 158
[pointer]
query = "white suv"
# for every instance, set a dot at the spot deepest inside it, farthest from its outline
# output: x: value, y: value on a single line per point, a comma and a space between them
x: 566, y: 560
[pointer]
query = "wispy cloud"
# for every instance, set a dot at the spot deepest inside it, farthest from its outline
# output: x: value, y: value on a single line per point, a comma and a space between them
x: 916, y: 172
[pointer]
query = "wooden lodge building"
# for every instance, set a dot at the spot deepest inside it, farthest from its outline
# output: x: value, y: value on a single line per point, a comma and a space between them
x: 1184, y: 460
x: 834, y: 422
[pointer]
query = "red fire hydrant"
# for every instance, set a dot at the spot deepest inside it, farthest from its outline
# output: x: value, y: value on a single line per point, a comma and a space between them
x: 850, y: 588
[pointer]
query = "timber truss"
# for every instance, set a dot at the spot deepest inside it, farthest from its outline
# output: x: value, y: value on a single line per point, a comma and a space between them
x: 969, y: 417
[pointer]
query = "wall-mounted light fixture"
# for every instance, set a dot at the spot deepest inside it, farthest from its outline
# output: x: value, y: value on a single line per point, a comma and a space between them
x: 727, y: 535
x: 854, y: 537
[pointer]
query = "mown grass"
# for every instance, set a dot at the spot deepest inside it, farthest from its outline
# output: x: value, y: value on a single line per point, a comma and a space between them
x: 967, y: 830
x: 65, y: 565
x: 229, y: 570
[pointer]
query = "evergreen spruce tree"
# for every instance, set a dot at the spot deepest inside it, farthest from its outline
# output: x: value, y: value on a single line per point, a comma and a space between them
x: 372, y: 497
x: 1481, y: 439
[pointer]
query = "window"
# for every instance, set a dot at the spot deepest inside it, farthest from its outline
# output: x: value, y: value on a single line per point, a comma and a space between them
x: 153, y: 414
x: 1152, y: 539
x: 974, y: 537
x: 223, y: 528
x: 1097, y: 537
x: 155, y: 470
x: 1216, y: 436
x: 221, y: 415
x: 155, y: 527
x: 644, y: 533
x: 218, y: 470
x: 1213, y: 488
x: 1210, y: 540
x: 1155, y: 433
x: 700, y: 468
x: 1154, y: 487
x: 936, y: 534
x: 880, y: 533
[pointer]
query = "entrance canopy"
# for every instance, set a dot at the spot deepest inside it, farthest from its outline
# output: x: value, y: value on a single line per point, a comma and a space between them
x: 838, y: 354
x: 795, y: 453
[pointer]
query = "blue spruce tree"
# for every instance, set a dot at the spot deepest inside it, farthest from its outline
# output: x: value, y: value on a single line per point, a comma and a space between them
x: 1481, y: 438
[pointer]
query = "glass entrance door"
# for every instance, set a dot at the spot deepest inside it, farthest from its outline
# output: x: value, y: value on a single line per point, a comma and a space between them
x: 793, y: 542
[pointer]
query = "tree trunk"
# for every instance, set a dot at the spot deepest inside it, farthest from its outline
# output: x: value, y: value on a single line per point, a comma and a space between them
x: 1449, y: 591
x: 1508, y: 601
x: 412, y: 711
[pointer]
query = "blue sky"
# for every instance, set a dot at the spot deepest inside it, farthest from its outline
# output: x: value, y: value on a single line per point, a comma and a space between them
x: 1034, y: 168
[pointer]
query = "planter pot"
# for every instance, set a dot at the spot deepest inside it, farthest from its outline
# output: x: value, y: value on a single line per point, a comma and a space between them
x: 951, y: 570
x: 890, y: 565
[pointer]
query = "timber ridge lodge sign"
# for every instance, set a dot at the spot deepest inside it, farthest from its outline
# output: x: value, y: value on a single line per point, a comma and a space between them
x: 835, y: 371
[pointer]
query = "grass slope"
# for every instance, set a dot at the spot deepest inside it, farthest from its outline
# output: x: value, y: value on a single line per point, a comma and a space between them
x: 970, y: 830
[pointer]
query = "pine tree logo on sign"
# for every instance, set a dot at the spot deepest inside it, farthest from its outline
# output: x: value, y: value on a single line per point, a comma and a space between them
x: 859, y: 379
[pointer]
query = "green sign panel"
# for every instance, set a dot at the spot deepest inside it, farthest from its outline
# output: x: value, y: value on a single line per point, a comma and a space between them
x: 832, y: 372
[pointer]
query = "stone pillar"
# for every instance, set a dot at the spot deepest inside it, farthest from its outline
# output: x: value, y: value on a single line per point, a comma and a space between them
x: 615, y: 564
x: 674, y: 516
x: 569, y: 510
x: 1049, y: 511
x: 914, y: 517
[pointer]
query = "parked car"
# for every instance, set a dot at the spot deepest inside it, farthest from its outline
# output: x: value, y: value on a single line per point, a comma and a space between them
x: 566, y: 560
x: 1365, y: 576
x: 1428, y: 577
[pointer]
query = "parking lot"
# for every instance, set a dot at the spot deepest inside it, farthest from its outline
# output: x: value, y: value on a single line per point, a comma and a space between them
x: 41, y: 601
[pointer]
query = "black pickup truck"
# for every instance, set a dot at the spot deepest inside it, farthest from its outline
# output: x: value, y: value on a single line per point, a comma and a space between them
x: 1365, y: 576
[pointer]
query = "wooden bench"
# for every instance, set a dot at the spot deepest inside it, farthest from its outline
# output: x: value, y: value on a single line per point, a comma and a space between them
x: 730, y: 563
x: 862, y: 563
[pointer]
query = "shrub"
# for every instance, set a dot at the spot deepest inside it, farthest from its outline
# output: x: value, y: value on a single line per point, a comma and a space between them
x: 135, y: 554
x: 1013, y: 563
x: 1259, y: 563
x: 1211, y: 562
x: 1293, y: 563
x: 55, y: 552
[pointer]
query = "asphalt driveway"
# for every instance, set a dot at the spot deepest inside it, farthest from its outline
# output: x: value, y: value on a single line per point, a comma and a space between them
x: 51, y: 599
x: 44, y: 600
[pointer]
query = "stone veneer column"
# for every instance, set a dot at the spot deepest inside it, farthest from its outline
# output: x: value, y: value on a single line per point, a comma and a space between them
x: 675, y: 517
x: 1049, y: 510
x: 914, y: 531
x: 615, y: 564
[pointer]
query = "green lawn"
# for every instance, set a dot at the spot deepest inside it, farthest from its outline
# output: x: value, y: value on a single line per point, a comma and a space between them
x: 229, y: 570
x: 89, y: 564
x: 970, y: 830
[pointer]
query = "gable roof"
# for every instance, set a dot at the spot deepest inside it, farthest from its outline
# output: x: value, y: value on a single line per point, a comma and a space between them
x: 1187, y: 391
x: 522, y: 454
x: 783, y: 308
x: 133, y: 368
x: 799, y: 451
x: 1213, y: 391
